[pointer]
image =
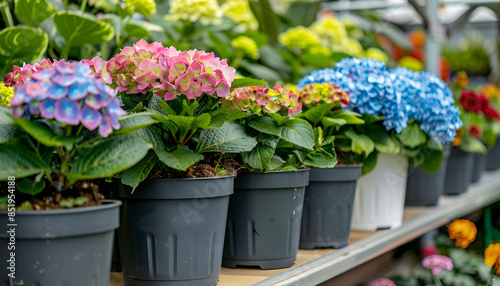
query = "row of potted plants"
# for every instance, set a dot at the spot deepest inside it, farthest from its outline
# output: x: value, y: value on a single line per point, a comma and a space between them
x: 170, y: 129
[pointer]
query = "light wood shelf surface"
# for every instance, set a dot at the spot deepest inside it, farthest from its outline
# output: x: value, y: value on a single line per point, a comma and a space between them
x: 315, y: 266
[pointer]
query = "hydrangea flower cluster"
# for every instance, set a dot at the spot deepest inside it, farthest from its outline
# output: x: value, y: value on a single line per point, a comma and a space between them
x: 247, y: 46
x: 208, y: 12
x: 437, y: 263
x: 165, y: 71
x: 463, y: 231
x: 144, y: 7
x: 324, y: 93
x: 239, y: 11
x: 383, y: 282
x: 260, y: 99
x: 6, y: 94
x: 492, y: 256
x: 71, y: 94
x: 370, y: 87
x: 21, y: 75
x: 299, y: 39
x: 430, y: 103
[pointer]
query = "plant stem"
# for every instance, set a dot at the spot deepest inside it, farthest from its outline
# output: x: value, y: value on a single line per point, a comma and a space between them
x: 66, y: 5
x: 84, y: 5
x: 438, y: 282
x: 64, y: 168
x: 237, y: 60
x: 7, y: 16
x: 188, y: 136
x: 65, y: 52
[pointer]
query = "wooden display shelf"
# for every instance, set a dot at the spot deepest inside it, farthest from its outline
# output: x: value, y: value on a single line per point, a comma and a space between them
x: 315, y: 266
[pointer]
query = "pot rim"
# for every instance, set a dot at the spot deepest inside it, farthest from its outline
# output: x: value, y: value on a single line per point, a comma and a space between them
x: 107, y: 204
x: 189, y: 179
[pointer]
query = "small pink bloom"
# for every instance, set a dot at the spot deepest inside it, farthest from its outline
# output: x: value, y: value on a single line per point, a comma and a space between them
x: 436, y: 263
x: 383, y: 282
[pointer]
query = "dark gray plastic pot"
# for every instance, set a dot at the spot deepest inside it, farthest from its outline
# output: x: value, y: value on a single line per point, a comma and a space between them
x: 265, y: 212
x: 458, y: 172
x: 494, y: 157
x: 60, y: 247
x: 480, y: 161
x: 328, y: 202
x: 172, y: 230
x: 424, y: 189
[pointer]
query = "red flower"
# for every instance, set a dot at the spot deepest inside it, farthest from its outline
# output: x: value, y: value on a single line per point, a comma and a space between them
x: 471, y: 101
x: 475, y: 131
x: 491, y: 113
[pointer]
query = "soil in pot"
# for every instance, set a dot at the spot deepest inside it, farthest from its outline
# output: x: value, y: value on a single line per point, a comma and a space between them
x: 328, y: 205
x: 264, y: 218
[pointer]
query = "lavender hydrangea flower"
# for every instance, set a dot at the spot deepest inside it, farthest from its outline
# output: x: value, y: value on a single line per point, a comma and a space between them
x: 431, y: 104
x: 371, y: 88
x: 71, y: 94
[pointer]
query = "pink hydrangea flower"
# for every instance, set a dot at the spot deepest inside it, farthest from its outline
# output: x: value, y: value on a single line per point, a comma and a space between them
x: 436, y: 263
x: 165, y: 71
x: 383, y: 282
x: 21, y: 75
x: 260, y: 99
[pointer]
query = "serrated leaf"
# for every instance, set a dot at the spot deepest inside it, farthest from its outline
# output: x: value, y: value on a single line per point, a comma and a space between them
x: 153, y: 136
x: 18, y: 161
x: 31, y: 188
x: 412, y: 136
x: 298, y: 132
x: 108, y: 158
x: 360, y: 143
x: 7, y: 133
x: 179, y: 159
x: 231, y: 138
x: 158, y: 104
x: 186, y: 123
x: 79, y: 29
x: 259, y: 158
x: 140, y: 171
x: 369, y: 163
x: 22, y: 44
x: 246, y: 81
x: 321, y: 158
x: 383, y: 141
x: 432, y: 162
x: 225, y: 114
x: 266, y: 125
x: 44, y: 135
x: 278, y: 118
x: 351, y: 118
x: 317, y: 113
x: 33, y: 12
x: 328, y: 121
x: 135, y: 121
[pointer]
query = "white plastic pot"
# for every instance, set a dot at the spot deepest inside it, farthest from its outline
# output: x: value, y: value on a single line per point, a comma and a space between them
x: 380, y: 195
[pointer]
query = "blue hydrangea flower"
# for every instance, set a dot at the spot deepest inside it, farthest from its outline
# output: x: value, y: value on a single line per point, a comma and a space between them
x: 431, y: 104
x: 371, y: 89
x: 70, y: 94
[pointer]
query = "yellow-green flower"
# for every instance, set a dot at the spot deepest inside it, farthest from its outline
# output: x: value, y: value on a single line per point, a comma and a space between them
x: 208, y: 12
x: 144, y: 7
x: 411, y: 63
x: 6, y: 94
x: 247, y: 46
x: 239, y: 11
x: 374, y: 53
x: 299, y: 39
x: 351, y: 47
x: 330, y: 30
x: 320, y: 51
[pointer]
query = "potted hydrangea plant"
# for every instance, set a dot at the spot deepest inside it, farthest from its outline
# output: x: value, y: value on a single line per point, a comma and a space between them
x: 372, y: 94
x: 61, y: 134
x: 329, y: 197
x: 271, y: 193
x: 434, y: 120
x: 176, y: 199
